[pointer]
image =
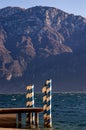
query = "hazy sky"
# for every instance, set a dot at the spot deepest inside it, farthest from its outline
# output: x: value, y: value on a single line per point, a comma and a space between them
x: 77, y: 7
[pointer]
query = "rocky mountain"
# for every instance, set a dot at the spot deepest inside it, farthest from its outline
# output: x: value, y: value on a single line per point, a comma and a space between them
x: 40, y: 43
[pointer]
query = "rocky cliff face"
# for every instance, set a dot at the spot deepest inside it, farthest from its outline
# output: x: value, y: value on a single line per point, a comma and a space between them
x: 39, y: 43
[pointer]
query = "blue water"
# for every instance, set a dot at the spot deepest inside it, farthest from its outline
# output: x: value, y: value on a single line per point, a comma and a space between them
x: 68, y: 109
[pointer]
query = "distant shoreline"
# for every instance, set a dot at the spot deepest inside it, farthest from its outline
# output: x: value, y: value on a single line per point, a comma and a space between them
x: 63, y: 92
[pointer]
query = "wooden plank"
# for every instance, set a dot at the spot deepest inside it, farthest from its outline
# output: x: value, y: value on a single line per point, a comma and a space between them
x: 8, y: 120
x: 9, y: 111
x: 19, y: 110
x: 31, y: 120
x: 14, y: 129
x: 36, y: 119
x: 19, y: 120
x: 27, y: 118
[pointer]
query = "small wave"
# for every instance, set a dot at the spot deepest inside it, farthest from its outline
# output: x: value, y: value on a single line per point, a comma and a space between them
x: 14, y: 99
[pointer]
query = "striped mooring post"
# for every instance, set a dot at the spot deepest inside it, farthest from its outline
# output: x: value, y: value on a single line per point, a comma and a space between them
x: 44, y: 91
x: 30, y: 103
x: 47, y: 102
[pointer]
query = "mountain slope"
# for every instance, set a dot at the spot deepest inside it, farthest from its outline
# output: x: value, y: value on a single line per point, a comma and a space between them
x: 40, y: 43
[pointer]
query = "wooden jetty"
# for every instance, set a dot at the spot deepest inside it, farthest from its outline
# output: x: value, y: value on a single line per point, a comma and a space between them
x: 12, y: 117
x: 8, y: 116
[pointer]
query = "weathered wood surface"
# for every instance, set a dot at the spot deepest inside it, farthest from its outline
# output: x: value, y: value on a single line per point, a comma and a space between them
x: 8, y: 116
x: 19, y: 110
x: 8, y: 120
x: 17, y: 129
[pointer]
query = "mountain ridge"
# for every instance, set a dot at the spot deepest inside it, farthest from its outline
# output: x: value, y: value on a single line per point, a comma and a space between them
x: 33, y: 38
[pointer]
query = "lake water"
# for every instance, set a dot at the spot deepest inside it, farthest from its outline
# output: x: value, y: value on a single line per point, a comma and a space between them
x: 68, y: 109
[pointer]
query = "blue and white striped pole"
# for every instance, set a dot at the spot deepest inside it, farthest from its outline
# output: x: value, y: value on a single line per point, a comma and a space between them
x: 30, y: 96
x: 44, y: 91
x: 49, y: 103
x: 30, y: 103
